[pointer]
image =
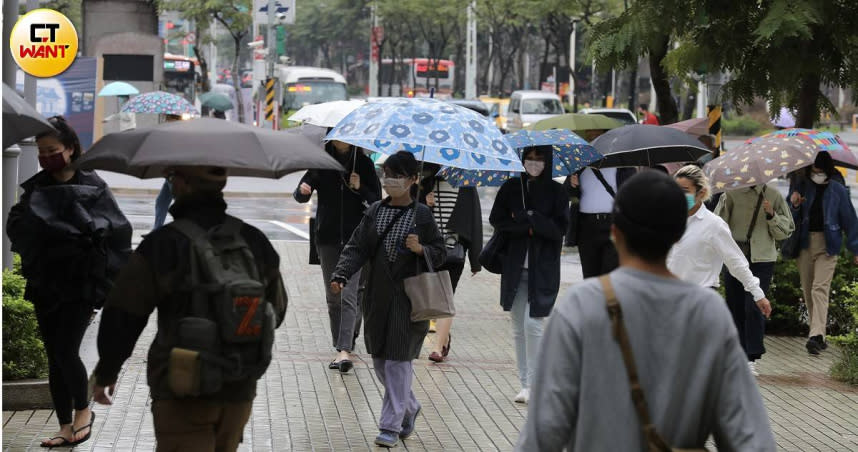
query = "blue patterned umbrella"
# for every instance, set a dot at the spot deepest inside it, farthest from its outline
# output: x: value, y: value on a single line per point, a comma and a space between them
x: 571, y: 153
x: 435, y: 131
x: 159, y: 102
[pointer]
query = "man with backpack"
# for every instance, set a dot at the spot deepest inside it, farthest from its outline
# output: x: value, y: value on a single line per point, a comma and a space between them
x: 216, y: 283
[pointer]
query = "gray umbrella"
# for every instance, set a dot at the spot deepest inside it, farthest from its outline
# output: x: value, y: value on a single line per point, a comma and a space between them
x: 20, y: 119
x: 646, y: 145
x: 244, y: 150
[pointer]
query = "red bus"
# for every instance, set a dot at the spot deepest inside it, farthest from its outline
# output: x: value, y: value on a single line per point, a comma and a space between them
x: 412, y: 77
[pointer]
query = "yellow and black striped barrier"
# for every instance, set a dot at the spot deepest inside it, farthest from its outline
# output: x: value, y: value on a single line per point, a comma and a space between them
x: 714, y: 113
x: 269, y: 99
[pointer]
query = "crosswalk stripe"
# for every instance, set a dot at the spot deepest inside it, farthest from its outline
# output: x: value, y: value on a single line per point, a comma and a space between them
x: 291, y: 229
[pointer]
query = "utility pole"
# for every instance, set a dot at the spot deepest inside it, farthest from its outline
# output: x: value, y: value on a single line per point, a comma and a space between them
x: 491, y: 74
x: 28, y: 162
x: 10, y: 154
x: 471, y: 54
x: 373, y: 53
x: 571, y: 89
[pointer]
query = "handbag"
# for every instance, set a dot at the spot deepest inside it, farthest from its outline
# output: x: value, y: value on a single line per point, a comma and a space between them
x: 654, y: 441
x: 745, y: 245
x: 455, y: 251
x: 431, y: 294
x: 493, y: 254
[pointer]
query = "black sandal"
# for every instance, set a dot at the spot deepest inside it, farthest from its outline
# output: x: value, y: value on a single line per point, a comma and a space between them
x: 65, y: 443
x: 88, y: 434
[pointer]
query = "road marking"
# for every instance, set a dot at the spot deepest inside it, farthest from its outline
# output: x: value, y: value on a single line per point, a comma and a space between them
x: 291, y: 229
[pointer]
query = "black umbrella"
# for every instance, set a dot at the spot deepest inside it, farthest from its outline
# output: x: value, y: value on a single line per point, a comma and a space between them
x: 244, y: 150
x: 646, y: 145
x: 20, y: 119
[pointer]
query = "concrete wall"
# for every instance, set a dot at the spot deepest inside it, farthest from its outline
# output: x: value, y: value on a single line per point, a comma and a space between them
x: 105, y: 17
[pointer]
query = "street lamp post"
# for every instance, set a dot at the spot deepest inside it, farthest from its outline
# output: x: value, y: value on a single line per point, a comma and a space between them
x: 471, y: 54
x: 571, y: 89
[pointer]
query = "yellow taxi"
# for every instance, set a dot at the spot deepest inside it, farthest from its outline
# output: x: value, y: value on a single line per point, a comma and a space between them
x: 497, y: 109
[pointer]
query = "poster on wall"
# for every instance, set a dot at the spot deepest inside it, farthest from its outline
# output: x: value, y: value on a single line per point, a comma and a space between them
x: 70, y: 94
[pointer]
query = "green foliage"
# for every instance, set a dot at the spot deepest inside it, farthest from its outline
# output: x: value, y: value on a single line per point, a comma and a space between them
x: 742, y: 126
x: 23, y: 351
x: 846, y: 367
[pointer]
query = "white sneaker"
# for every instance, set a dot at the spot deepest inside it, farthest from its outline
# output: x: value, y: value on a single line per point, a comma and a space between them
x: 523, y: 396
x: 752, y: 366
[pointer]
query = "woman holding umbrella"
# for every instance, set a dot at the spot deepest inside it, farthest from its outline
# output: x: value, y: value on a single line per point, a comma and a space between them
x: 343, y: 197
x: 531, y: 214
x: 396, y: 239
x: 823, y: 212
x: 72, y: 239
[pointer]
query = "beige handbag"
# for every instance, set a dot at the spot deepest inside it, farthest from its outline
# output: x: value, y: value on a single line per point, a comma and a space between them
x: 431, y: 294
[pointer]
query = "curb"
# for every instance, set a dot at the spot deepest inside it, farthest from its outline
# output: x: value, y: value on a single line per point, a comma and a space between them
x: 27, y: 395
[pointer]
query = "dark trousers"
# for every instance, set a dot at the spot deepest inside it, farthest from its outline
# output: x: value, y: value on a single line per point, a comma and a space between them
x: 749, y: 321
x: 62, y: 331
x: 455, y: 272
x: 598, y: 255
x: 190, y: 425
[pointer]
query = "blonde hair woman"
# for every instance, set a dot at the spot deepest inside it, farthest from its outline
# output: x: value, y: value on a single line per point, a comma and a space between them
x: 707, y: 246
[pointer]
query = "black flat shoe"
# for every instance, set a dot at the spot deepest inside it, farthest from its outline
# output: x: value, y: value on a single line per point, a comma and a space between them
x: 345, y: 366
x: 334, y: 365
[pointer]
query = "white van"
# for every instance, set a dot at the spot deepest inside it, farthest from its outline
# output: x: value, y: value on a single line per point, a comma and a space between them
x: 303, y: 85
x: 620, y: 114
x: 528, y: 107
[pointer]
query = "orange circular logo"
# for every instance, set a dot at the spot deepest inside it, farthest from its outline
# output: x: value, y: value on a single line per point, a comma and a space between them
x: 44, y: 43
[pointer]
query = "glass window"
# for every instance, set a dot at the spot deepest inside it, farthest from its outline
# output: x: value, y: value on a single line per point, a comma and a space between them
x: 541, y: 107
x: 296, y: 95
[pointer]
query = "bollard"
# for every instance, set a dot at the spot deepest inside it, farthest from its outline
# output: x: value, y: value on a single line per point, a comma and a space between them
x: 10, y: 177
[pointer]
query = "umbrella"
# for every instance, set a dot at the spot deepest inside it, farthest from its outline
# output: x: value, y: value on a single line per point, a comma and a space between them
x: 784, y: 119
x: 571, y: 153
x: 159, y: 102
x: 577, y: 122
x: 438, y: 132
x: 118, y: 89
x: 244, y: 150
x: 824, y: 141
x: 216, y: 101
x: 646, y: 145
x: 697, y: 126
x: 20, y: 119
x: 759, y: 162
x: 326, y: 114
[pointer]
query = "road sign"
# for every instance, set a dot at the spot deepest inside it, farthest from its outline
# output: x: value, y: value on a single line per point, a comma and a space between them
x: 190, y: 37
x: 286, y: 7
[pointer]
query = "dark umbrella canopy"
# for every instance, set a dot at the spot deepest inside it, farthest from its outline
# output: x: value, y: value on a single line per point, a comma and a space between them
x: 646, y: 145
x: 216, y: 101
x: 244, y: 150
x: 20, y: 119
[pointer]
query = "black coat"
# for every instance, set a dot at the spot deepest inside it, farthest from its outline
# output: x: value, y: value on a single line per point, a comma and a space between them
x: 546, y: 215
x: 340, y: 208
x: 388, y: 330
x: 71, y: 236
x: 466, y: 220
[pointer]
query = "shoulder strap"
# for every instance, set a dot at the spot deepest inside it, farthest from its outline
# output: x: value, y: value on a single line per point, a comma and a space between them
x: 605, y: 183
x: 654, y: 440
x: 756, y: 214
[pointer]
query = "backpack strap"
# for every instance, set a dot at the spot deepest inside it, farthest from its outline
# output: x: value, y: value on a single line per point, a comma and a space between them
x: 199, y: 244
x: 605, y: 183
x: 654, y: 441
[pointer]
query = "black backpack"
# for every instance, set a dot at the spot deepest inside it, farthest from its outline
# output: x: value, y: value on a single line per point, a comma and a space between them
x: 228, y: 331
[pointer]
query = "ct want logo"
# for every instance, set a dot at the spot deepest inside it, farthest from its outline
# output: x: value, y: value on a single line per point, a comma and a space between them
x: 44, y: 43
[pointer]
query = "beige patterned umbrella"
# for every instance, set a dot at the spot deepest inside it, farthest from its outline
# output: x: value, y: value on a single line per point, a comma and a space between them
x: 759, y: 162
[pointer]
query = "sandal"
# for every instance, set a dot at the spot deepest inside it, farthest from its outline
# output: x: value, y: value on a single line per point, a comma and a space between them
x: 88, y: 434
x: 435, y: 357
x: 445, y: 350
x: 65, y: 442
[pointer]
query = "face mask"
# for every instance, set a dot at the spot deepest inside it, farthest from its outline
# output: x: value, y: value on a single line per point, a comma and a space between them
x: 691, y: 201
x: 818, y: 178
x: 534, y: 167
x: 53, y: 162
x: 395, y: 187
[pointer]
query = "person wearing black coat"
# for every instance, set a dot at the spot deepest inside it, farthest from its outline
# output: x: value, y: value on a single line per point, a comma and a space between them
x: 72, y: 239
x: 459, y: 216
x: 343, y: 198
x: 531, y: 213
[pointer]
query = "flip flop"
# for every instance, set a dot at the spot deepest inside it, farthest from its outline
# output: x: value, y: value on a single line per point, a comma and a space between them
x: 65, y: 443
x: 88, y: 434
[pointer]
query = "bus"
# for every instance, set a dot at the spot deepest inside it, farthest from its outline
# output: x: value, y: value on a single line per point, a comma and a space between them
x: 181, y: 74
x: 412, y: 77
x: 302, y: 85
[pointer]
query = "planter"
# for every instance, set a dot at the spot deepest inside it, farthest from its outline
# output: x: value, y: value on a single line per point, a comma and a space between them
x: 26, y: 395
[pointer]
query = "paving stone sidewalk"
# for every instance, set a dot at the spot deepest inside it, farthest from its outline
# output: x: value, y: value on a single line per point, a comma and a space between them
x: 467, y: 401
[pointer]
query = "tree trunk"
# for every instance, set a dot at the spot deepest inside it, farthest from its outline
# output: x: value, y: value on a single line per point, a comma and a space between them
x: 236, y: 80
x: 205, y: 83
x: 661, y: 82
x: 808, y: 102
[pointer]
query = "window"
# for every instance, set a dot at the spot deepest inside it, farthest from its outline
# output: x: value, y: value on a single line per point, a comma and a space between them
x: 541, y: 107
x: 131, y: 68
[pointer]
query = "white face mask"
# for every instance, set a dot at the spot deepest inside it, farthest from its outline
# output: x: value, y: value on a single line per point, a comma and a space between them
x: 534, y: 167
x: 395, y: 186
x: 819, y: 178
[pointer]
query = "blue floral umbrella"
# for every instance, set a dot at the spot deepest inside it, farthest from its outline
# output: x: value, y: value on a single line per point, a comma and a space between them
x: 571, y: 153
x: 435, y: 131
x: 159, y: 102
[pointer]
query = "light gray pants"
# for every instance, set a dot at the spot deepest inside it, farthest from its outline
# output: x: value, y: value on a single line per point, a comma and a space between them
x: 399, y: 400
x: 343, y: 309
x: 527, y: 332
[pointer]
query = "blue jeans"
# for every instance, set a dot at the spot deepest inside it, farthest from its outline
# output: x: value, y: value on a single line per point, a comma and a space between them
x: 162, y: 204
x: 527, y: 332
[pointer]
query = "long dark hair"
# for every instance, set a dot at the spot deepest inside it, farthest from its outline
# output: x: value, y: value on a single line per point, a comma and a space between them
x: 64, y: 134
x: 824, y: 162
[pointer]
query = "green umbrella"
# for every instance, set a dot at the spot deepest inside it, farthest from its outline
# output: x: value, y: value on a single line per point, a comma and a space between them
x: 216, y: 101
x: 577, y: 122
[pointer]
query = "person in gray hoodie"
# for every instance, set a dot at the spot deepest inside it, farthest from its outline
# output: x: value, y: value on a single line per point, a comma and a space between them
x: 690, y: 366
